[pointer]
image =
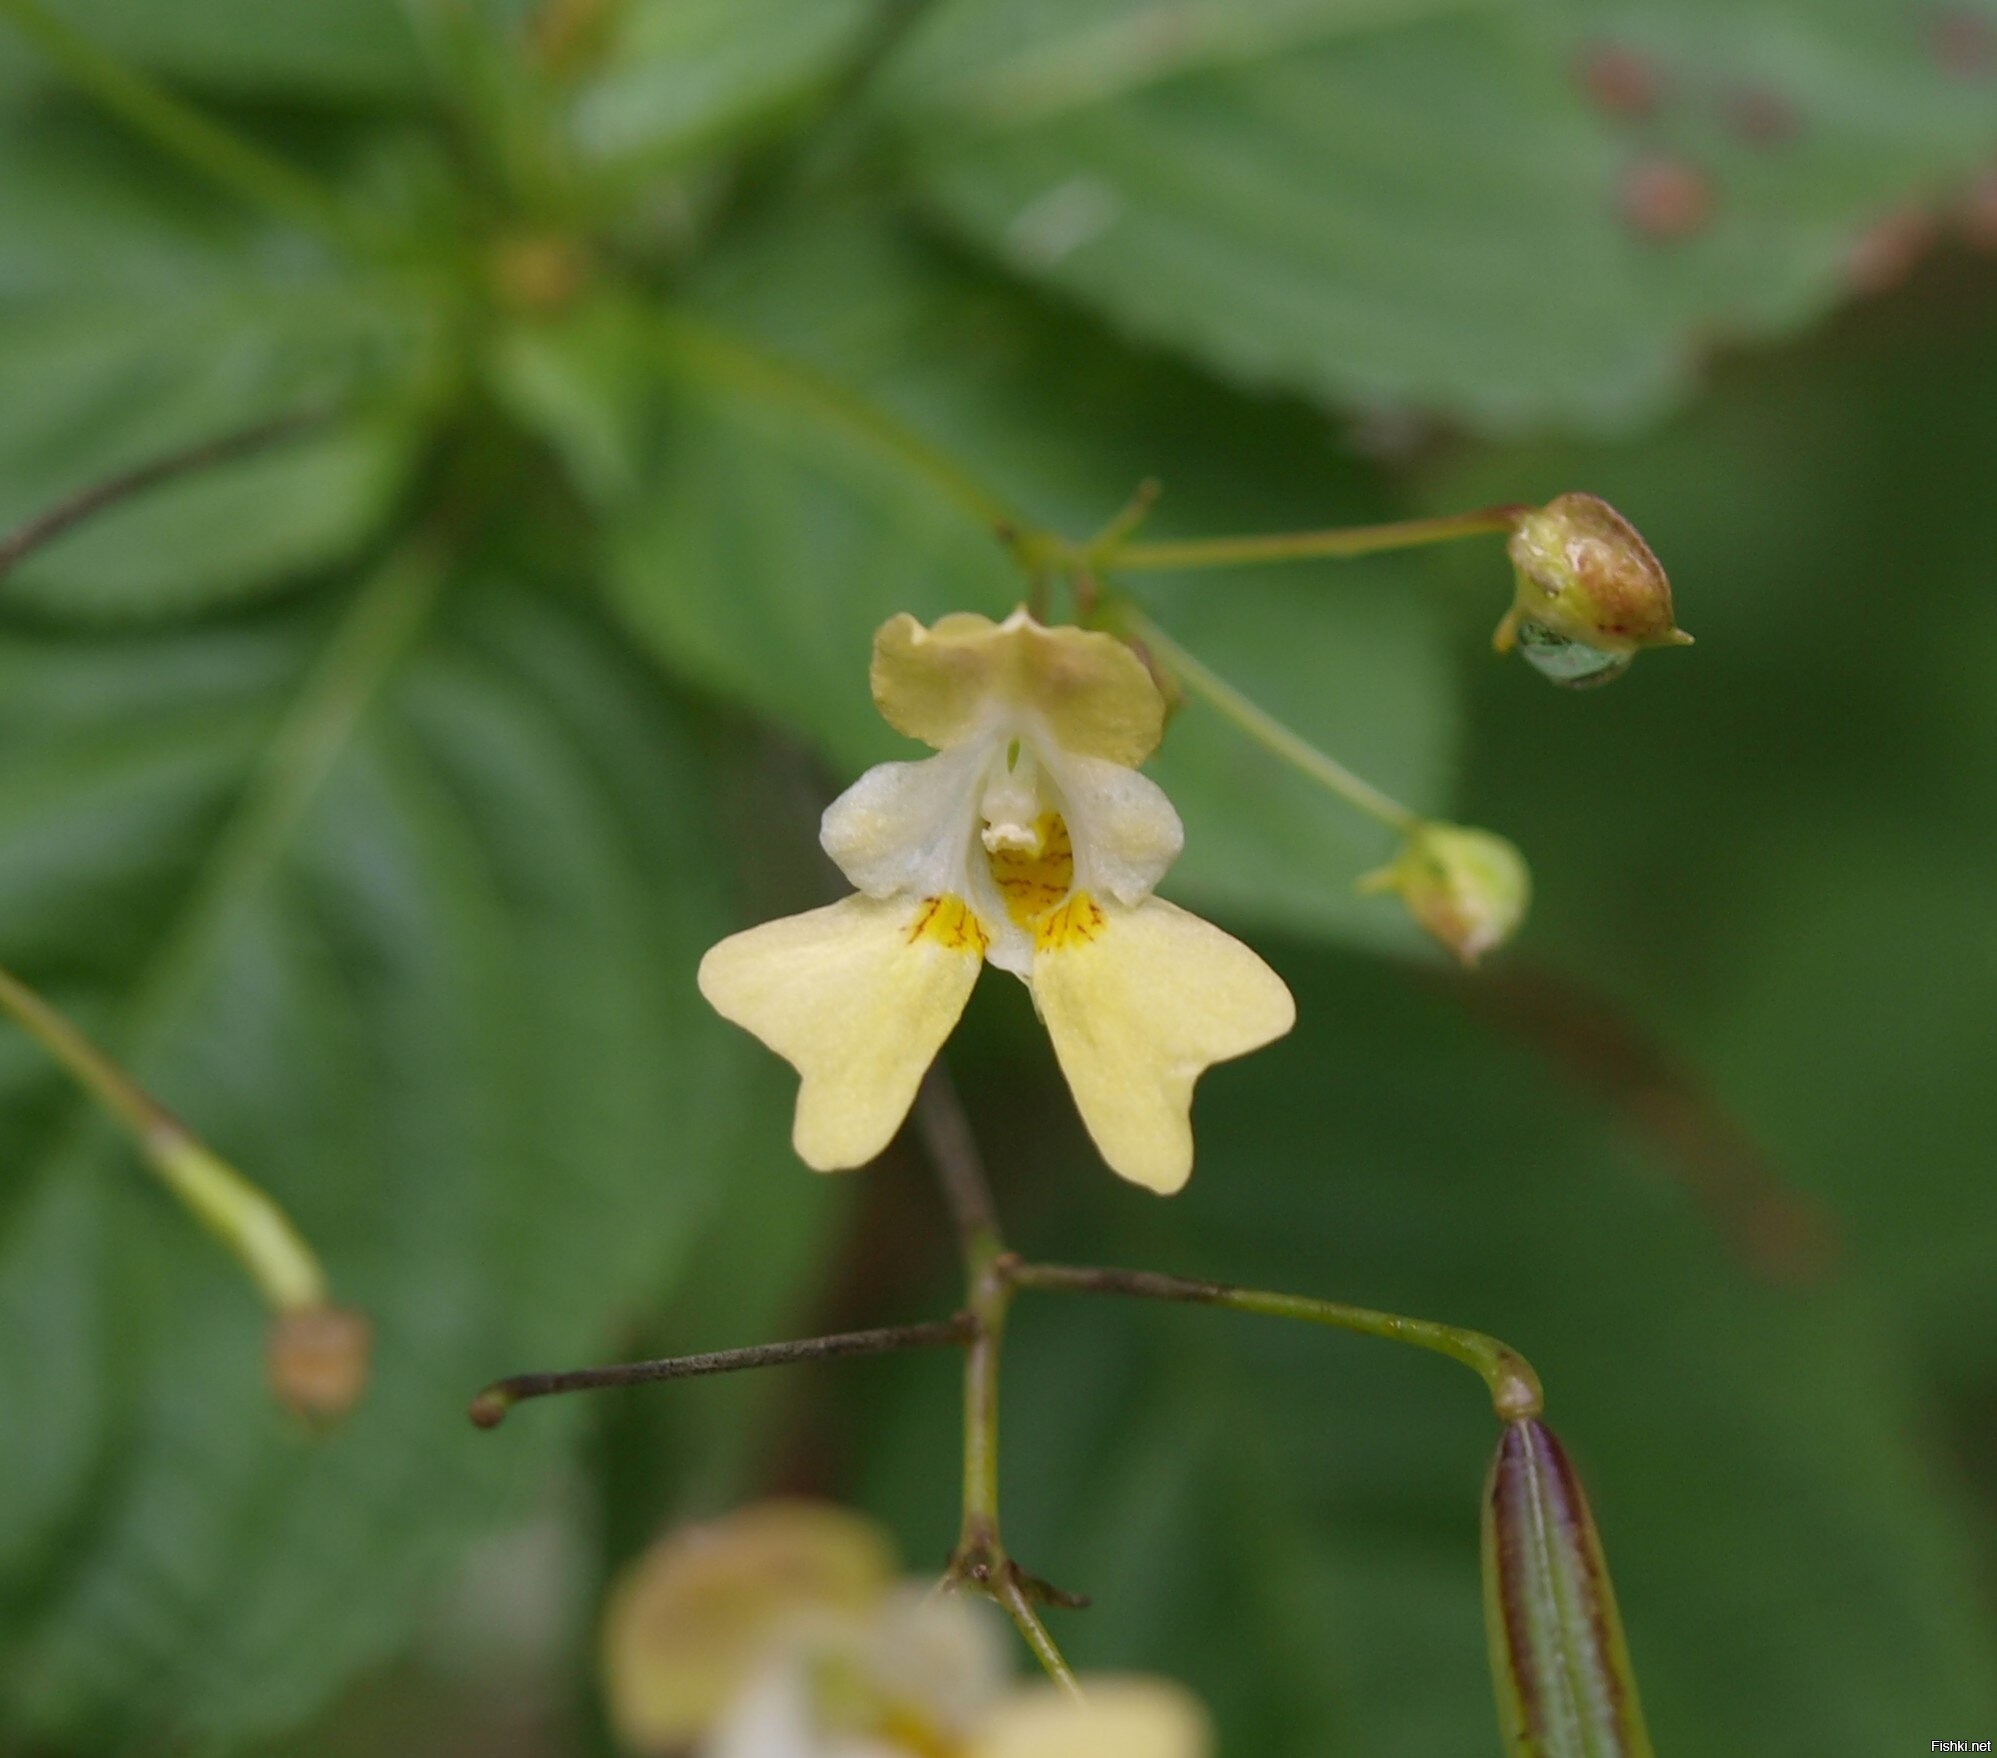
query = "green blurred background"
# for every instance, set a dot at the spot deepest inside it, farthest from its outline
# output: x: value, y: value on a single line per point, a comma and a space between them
x: 374, y: 797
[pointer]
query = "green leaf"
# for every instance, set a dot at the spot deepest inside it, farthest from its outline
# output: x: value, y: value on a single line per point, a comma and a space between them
x: 425, y: 967
x: 682, y: 75
x: 1287, y: 1518
x: 324, y: 50
x: 1438, y: 213
x: 776, y: 528
x: 138, y: 318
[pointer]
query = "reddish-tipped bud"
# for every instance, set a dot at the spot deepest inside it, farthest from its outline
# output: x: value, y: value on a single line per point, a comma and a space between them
x: 1590, y: 594
x: 1558, y: 1659
x: 1467, y: 888
x: 317, y: 1359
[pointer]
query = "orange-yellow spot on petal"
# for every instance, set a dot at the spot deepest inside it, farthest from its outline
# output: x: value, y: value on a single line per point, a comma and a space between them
x: 1075, y: 923
x: 950, y: 923
x: 907, y: 1730
x: 1033, y: 883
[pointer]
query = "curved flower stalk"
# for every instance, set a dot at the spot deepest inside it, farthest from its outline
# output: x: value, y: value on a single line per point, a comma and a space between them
x: 783, y: 1630
x: 316, y: 1353
x: 1031, y: 842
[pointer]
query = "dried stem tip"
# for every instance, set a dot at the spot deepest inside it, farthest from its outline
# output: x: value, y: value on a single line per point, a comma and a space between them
x: 1590, y: 593
x: 1562, y: 1671
x: 317, y: 1360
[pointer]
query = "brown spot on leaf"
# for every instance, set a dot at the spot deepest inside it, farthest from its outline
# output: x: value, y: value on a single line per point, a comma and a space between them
x: 1619, y: 82
x: 1963, y: 44
x: 1665, y: 199
x: 1976, y: 214
x: 1886, y: 252
x: 1760, y: 115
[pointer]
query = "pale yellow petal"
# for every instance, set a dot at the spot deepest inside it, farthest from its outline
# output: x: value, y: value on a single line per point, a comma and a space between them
x: 1086, y: 689
x: 858, y: 998
x: 1121, y: 1718
x: 1139, y: 1003
x: 690, y: 1623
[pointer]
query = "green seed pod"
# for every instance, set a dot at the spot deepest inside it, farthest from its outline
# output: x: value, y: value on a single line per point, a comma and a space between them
x: 1590, y: 594
x: 1562, y: 1670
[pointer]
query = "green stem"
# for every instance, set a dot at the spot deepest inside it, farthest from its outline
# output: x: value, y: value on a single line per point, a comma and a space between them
x: 243, y: 1217
x: 1291, y: 546
x: 694, y: 347
x: 1514, y: 1386
x: 219, y: 153
x: 991, y: 1296
x: 1012, y: 1596
x: 1261, y: 725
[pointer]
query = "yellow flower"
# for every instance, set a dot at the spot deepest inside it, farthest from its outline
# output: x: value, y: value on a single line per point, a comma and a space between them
x: 1030, y: 842
x: 780, y: 1631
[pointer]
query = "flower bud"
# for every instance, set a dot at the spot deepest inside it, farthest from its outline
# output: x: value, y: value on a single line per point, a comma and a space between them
x: 1467, y: 888
x: 316, y: 1360
x: 1590, y: 593
x: 1558, y: 1660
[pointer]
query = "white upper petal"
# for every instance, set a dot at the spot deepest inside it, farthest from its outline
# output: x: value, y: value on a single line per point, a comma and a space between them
x: 1125, y: 831
x: 907, y: 829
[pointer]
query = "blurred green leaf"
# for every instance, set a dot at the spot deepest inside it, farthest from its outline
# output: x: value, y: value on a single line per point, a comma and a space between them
x: 442, y: 1002
x: 139, y: 318
x: 340, y: 51
x: 681, y: 75
x: 772, y: 536
x: 1515, y: 216
x: 228, y: 530
x: 1288, y: 1519
x: 1779, y: 854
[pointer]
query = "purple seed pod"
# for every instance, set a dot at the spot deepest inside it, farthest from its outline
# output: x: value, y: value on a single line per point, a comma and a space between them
x: 1558, y: 1660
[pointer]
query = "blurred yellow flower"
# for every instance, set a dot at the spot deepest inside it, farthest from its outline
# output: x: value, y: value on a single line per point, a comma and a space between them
x: 1029, y: 841
x: 780, y: 1631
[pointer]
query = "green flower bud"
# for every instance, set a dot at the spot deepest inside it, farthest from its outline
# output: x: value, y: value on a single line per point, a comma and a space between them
x: 1467, y: 888
x: 1558, y: 1659
x: 1590, y: 593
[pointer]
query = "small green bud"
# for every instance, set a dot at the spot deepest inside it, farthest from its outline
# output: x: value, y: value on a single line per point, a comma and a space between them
x: 1590, y: 594
x: 1558, y: 1659
x: 1468, y: 888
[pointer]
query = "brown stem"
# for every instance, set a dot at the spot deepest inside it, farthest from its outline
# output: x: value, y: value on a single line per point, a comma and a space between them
x: 47, y: 526
x: 489, y: 1408
x: 960, y: 1168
